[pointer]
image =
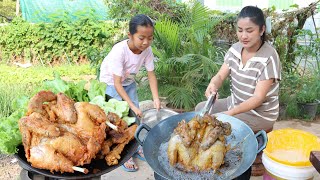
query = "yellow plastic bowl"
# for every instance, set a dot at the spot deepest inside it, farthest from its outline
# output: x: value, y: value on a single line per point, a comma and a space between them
x: 291, y: 146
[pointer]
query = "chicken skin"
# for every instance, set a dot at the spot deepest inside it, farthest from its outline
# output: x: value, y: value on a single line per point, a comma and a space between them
x: 199, y: 145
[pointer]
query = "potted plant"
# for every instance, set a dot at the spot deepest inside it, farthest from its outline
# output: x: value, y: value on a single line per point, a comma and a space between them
x: 308, y: 98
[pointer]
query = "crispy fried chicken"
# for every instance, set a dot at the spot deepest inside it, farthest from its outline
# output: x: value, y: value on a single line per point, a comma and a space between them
x: 113, y: 155
x: 199, y: 145
x: 59, y: 134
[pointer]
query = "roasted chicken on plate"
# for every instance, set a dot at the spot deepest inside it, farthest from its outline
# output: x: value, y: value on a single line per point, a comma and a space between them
x: 59, y: 134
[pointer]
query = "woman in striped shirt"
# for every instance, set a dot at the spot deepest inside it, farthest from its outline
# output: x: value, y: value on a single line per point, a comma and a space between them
x: 254, y: 70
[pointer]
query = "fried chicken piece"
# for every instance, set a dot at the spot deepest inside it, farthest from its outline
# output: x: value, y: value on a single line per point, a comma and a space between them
x: 117, y: 121
x: 215, y: 130
x: 106, y: 147
x: 36, y: 102
x: 90, y: 123
x: 118, y: 136
x: 184, y: 131
x: 114, y: 155
x: 198, y: 145
x: 46, y: 157
x: 51, y: 114
x: 211, y: 158
x: 178, y: 152
x: 40, y: 125
x: 64, y: 109
x: 70, y: 146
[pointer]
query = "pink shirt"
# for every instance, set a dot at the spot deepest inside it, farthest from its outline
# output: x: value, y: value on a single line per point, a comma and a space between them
x: 121, y: 61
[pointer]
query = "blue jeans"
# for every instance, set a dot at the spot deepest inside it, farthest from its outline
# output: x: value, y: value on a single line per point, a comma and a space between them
x: 131, y: 90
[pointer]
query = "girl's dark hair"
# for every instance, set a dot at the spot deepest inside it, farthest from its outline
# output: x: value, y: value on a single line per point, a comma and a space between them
x: 256, y: 16
x: 139, y: 20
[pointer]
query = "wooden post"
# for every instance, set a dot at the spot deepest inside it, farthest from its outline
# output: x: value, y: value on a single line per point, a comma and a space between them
x: 17, y: 7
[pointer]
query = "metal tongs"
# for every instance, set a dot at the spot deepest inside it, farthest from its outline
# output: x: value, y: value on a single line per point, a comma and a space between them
x: 210, y: 101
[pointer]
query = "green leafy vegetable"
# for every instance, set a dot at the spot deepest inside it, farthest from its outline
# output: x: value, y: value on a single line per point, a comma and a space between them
x: 121, y: 108
x: 10, y: 136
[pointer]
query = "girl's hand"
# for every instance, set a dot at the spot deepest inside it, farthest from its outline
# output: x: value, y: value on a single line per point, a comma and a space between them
x: 211, y: 89
x: 137, y: 111
x: 157, y: 104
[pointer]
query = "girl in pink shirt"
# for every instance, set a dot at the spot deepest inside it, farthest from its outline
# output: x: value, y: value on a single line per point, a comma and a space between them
x: 124, y: 61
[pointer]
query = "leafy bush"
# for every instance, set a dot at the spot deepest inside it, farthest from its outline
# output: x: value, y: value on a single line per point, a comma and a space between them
x: 156, y: 9
x: 61, y: 41
x: 309, y: 92
x: 187, y: 57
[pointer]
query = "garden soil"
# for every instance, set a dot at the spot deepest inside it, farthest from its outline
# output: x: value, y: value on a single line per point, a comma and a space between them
x: 10, y: 170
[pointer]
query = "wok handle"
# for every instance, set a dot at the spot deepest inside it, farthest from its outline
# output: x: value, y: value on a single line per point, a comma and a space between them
x: 262, y: 140
x: 137, y: 133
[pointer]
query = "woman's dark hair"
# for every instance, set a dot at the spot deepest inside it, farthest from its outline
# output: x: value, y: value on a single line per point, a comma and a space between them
x: 139, y: 20
x: 256, y: 16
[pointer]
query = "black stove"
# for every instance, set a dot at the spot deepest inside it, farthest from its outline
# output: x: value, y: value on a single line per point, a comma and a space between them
x: 28, y: 175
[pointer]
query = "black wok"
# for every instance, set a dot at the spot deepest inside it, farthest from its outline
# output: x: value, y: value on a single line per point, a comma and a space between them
x: 241, y: 138
x: 97, y: 164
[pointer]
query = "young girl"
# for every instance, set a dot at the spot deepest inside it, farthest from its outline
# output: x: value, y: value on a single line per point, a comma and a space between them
x: 254, y: 70
x: 124, y: 61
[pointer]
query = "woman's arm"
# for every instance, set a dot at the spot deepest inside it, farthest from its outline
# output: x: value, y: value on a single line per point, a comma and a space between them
x: 154, y: 89
x: 255, y: 101
x: 218, y: 79
x: 124, y: 95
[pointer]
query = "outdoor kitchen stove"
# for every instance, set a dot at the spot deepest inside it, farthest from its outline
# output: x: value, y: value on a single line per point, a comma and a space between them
x: 28, y: 175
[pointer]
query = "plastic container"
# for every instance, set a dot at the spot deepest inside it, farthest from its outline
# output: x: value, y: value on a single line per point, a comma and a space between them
x: 278, y: 171
x: 291, y: 147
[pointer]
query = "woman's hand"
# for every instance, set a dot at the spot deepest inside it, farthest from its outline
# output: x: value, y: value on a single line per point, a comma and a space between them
x: 157, y: 103
x: 137, y: 111
x: 211, y: 89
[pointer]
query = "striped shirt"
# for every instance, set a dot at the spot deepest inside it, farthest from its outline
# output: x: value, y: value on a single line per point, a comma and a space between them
x: 244, y: 78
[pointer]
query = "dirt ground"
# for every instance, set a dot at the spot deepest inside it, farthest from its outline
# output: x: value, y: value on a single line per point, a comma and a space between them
x: 9, y: 168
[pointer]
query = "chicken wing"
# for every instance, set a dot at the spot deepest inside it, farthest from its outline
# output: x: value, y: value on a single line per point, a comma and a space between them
x: 36, y: 102
x: 114, y: 155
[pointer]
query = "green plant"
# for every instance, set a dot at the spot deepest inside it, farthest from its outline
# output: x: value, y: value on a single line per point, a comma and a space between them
x: 156, y: 9
x: 307, y: 51
x: 96, y: 57
x: 64, y: 40
x: 187, y: 56
x: 309, y: 91
x: 7, y: 10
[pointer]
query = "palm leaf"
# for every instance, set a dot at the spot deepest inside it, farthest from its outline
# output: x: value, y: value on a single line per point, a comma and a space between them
x: 167, y: 35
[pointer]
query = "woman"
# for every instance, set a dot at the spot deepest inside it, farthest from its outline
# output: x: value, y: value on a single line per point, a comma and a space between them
x: 253, y: 67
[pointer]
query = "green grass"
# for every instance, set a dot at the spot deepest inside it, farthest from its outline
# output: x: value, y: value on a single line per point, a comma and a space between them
x: 16, y: 82
x: 36, y: 74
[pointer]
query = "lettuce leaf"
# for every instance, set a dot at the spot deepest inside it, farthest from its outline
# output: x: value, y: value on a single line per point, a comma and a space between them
x: 10, y: 136
x: 121, y: 108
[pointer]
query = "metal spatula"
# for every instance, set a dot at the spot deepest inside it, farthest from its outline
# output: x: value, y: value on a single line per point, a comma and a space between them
x: 210, y: 101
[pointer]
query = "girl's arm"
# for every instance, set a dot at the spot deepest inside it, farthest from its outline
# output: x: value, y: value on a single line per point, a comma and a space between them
x: 217, y: 80
x: 154, y: 89
x: 124, y: 95
x: 256, y: 100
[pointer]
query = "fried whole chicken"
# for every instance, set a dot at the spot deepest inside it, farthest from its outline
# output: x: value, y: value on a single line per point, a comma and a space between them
x: 198, y: 145
x: 58, y: 134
